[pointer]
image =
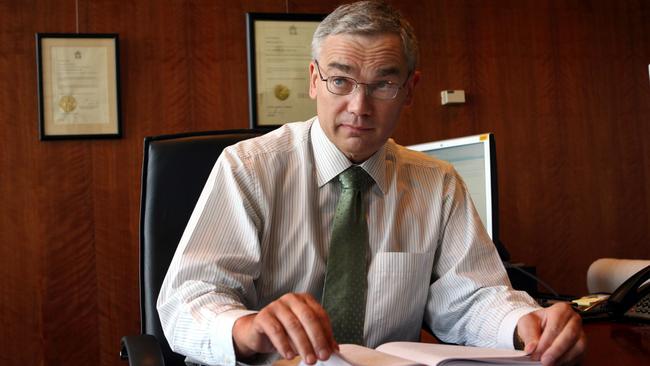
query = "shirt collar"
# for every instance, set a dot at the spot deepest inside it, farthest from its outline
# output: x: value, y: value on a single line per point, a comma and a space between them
x: 330, y: 161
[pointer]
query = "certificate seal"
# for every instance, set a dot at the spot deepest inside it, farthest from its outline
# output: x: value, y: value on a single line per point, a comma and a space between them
x: 281, y: 92
x: 67, y: 103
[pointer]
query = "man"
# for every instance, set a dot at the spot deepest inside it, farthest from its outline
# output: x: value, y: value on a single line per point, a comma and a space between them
x: 249, y: 275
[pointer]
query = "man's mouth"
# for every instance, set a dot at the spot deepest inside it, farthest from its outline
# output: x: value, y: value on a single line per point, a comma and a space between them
x: 355, y: 128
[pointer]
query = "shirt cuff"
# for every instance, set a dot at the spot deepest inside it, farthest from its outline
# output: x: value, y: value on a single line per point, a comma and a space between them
x: 222, y: 333
x: 506, y: 333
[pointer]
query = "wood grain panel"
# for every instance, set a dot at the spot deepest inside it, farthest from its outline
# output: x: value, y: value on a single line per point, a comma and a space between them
x: 564, y: 85
x: 21, y: 253
x: 70, y: 279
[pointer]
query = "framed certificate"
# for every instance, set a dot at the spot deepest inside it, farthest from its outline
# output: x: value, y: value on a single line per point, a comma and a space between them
x: 279, y: 52
x: 78, y: 86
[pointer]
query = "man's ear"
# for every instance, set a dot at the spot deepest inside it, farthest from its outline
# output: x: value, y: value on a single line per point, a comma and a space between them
x: 410, y: 87
x: 313, y: 79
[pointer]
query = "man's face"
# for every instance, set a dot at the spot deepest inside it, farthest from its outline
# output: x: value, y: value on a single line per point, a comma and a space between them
x: 359, y: 124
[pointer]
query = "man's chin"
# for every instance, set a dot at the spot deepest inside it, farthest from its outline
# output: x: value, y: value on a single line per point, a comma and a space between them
x: 357, y: 151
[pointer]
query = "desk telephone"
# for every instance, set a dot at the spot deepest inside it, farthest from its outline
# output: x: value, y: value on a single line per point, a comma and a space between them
x: 631, y: 300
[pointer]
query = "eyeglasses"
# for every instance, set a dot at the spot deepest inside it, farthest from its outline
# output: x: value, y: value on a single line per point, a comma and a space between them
x: 343, y: 85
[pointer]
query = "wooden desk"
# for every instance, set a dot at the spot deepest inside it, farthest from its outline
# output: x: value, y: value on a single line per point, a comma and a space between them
x: 617, y: 344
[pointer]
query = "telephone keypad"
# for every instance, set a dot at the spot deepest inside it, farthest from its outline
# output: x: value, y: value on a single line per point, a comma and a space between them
x: 641, y: 309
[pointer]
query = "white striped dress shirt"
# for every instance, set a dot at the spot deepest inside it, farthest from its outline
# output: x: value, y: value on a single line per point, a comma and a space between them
x: 261, y: 229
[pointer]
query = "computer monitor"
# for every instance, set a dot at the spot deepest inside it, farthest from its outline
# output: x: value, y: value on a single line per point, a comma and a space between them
x: 474, y: 157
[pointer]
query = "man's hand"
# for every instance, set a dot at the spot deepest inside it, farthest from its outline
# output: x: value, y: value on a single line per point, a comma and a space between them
x: 553, y: 335
x: 293, y: 324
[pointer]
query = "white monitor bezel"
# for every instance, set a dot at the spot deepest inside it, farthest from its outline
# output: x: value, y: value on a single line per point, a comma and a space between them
x: 485, y: 139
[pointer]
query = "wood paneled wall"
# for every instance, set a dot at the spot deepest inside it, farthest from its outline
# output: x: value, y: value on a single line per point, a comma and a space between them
x: 563, y: 84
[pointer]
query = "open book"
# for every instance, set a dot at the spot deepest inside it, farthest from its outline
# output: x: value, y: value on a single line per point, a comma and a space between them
x: 417, y: 354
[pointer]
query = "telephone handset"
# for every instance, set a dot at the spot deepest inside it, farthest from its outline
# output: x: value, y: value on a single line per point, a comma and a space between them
x: 630, y: 300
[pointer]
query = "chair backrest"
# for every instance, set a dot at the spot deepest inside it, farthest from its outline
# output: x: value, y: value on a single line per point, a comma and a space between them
x: 174, y: 171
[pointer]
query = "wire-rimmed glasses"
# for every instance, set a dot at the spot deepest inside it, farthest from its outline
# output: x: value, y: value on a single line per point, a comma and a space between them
x: 343, y: 85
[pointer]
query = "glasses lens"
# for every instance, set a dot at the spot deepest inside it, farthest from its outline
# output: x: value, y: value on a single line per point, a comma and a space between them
x: 384, y: 91
x: 341, y: 85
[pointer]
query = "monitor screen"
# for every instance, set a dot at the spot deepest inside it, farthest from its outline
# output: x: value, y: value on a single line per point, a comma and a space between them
x: 475, y: 160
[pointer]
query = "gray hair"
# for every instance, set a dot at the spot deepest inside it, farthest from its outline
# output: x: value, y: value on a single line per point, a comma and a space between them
x: 368, y: 18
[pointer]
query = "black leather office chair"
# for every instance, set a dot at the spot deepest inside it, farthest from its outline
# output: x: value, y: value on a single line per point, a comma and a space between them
x: 174, y: 171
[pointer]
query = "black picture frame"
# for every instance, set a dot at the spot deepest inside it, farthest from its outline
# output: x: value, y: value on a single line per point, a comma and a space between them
x: 269, y: 117
x: 78, y: 86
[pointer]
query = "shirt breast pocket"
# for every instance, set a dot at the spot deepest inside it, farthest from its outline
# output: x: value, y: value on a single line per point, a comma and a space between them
x: 398, y: 285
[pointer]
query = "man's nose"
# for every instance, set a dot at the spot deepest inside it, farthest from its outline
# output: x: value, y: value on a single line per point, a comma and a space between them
x: 360, y: 101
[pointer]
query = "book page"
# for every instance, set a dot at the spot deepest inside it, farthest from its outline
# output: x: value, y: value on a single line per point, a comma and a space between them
x: 443, y: 354
x: 354, y: 355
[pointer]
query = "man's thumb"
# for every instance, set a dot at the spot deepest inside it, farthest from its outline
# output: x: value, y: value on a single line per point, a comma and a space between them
x: 528, y: 331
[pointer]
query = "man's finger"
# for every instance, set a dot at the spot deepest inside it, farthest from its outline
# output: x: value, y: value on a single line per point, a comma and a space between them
x: 567, y: 345
x: 554, y: 321
x: 312, y: 316
x: 529, y: 330
x: 289, y: 314
x: 269, y: 326
x: 326, y: 325
x: 576, y: 353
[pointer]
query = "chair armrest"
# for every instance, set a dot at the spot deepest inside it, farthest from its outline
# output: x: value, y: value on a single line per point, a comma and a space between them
x: 141, y: 350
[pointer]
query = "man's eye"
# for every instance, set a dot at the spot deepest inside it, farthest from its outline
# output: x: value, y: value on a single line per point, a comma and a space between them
x: 341, y: 82
x: 383, y: 85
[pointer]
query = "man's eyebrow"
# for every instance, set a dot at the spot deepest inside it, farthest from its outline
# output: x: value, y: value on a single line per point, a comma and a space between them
x: 390, y: 71
x: 341, y: 67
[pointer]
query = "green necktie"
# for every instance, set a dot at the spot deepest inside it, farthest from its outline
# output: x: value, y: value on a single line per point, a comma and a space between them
x: 346, y: 283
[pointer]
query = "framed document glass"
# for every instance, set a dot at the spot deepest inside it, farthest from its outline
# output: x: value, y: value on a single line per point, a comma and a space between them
x: 78, y: 85
x: 279, y: 52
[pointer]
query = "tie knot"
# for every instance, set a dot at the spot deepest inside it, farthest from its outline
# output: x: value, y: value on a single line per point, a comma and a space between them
x: 355, y: 178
